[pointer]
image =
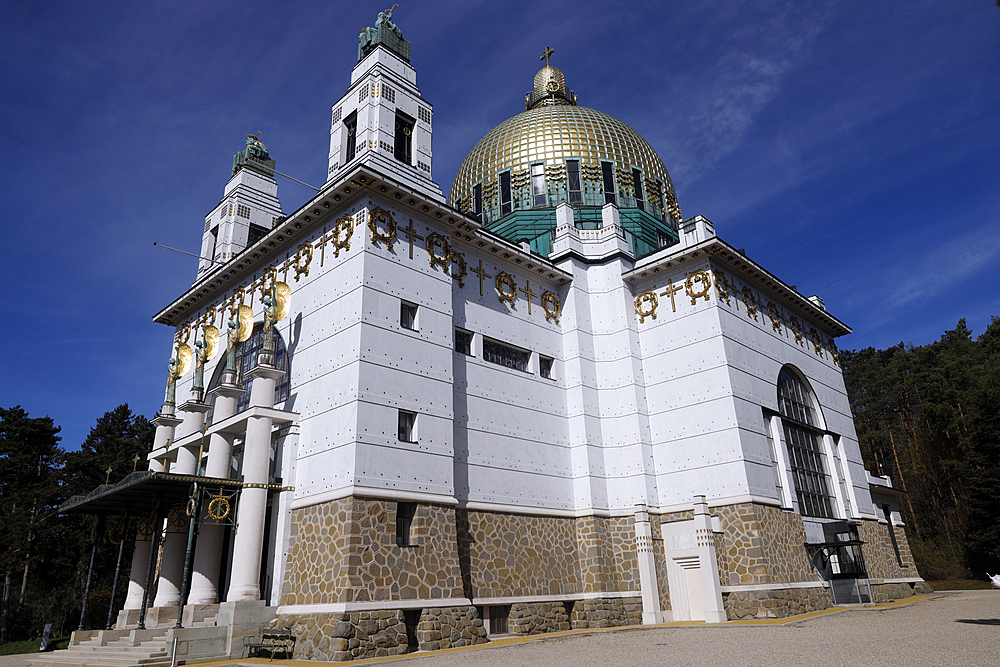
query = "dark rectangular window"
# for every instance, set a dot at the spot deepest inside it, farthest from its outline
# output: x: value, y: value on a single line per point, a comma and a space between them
x: 505, y: 355
x: 407, y: 426
x: 573, y: 181
x: 545, y: 366
x: 351, y: 127
x: 404, y: 520
x: 663, y: 202
x: 215, y: 242
x: 640, y: 199
x: 498, y: 619
x: 255, y: 234
x: 408, y: 315
x: 538, y: 197
x: 463, y: 341
x: 404, y: 138
x: 608, y: 174
x: 505, y: 203
x: 477, y: 197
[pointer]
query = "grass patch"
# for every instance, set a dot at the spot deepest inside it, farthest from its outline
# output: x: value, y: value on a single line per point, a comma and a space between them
x: 959, y: 585
x: 31, y: 645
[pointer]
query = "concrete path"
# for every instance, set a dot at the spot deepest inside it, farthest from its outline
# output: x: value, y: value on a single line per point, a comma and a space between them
x: 959, y: 629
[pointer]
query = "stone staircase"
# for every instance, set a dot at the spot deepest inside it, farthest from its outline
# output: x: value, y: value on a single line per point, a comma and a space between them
x: 203, y: 637
x: 152, y: 652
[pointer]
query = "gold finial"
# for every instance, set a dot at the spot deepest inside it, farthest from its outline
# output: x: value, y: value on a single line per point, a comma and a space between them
x: 545, y: 56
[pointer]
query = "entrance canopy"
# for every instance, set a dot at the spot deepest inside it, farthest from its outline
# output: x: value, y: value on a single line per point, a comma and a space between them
x: 143, y: 492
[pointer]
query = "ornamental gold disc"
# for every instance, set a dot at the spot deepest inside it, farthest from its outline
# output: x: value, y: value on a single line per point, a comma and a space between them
x: 283, y: 293
x: 183, y: 359
x: 211, y: 342
x: 246, y: 323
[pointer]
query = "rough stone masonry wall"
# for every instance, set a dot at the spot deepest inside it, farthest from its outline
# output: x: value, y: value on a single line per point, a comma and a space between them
x: 606, y: 612
x: 345, y: 551
x: 607, y: 555
x: 775, y: 603
x: 880, y: 559
x: 512, y: 555
x: 535, y: 618
x: 336, y: 637
x: 448, y: 627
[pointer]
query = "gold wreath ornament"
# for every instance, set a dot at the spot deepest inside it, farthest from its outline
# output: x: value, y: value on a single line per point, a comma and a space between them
x: 218, y: 508
x: 505, y: 279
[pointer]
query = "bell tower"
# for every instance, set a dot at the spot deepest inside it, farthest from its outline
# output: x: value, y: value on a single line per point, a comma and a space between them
x: 249, y: 208
x: 383, y: 120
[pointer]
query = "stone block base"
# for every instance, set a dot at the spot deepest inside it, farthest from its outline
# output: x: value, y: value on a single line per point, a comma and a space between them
x: 535, y: 618
x: 336, y: 637
x: 890, y: 592
x: 447, y: 627
x: 606, y: 613
x: 775, y: 603
x: 376, y: 634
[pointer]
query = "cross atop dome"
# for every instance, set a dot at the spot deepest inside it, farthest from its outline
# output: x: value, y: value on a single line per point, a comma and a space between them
x: 545, y: 56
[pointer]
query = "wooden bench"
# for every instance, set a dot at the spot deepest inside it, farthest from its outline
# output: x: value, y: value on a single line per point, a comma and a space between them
x: 272, y: 640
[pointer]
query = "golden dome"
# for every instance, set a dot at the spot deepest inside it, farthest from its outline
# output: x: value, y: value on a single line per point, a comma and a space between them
x: 550, y: 88
x: 554, y: 133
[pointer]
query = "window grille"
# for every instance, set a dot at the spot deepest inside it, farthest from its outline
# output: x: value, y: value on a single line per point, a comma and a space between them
x: 504, y: 355
x: 538, y: 185
x: 805, y: 449
x: 243, y: 211
x: 573, y: 181
x: 336, y: 115
x: 388, y: 93
x: 424, y: 115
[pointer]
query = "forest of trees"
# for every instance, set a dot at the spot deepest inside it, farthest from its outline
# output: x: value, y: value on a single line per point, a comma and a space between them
x: 44, y: 556
x: 929, y: 417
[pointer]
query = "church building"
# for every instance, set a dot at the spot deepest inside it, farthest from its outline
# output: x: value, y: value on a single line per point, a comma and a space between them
x: 544, y: 401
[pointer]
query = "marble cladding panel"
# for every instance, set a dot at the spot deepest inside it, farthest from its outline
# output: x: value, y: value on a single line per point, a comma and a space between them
x: 606, y: 612
x: 775, y: 603
x: 880, y: 558
x: 535, y: 618
x: 514, y: 554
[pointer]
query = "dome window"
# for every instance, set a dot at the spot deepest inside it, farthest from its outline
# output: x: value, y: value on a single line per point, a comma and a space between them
x: 640, y: 200
x: 608, y: 175
x: 505, y: 202
x: 573, y: 181
x: 538, y: 196
x: 477, y: 201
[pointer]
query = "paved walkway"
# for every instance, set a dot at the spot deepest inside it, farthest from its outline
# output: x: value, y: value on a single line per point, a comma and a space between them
x: 955, y: 630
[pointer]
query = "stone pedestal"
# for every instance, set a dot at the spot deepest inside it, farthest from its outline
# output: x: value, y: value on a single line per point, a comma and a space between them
x: 651, y: 612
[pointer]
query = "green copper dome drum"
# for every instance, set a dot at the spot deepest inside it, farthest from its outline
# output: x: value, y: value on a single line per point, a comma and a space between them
x: 558, y: 152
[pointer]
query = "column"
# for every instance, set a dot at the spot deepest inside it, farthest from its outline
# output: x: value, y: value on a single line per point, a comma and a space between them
x: 168, y: 589
x: 208, y: 554
x: 166, y: 423
x: 651, y: 610
x: 244, y: 584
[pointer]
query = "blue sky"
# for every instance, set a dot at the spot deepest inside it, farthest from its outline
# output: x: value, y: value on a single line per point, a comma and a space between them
x: 849, y: 147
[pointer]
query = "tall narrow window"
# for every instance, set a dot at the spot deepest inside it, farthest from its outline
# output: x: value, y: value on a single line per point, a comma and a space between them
x: 477, y: 201
x: 892, y: 534
x: 351, y: 127
x: 663, y: 202
x: 805, y: 450
x: 408, y: 315
x: 538, y: 197
x: 545, y: 366
x: 407, y: 426
x: 463, y: 341
x: 404, y: 521
x: 608, y: 174
x: 215, y: 241
x: 640, y: 199
x: 772, y: 445
x: 573, y: 181
x: 505, y: 203
x: 404, y: 138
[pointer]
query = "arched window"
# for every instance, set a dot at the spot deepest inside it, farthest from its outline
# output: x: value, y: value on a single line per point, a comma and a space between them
x: 246, y: 359
x: 801, y: 423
